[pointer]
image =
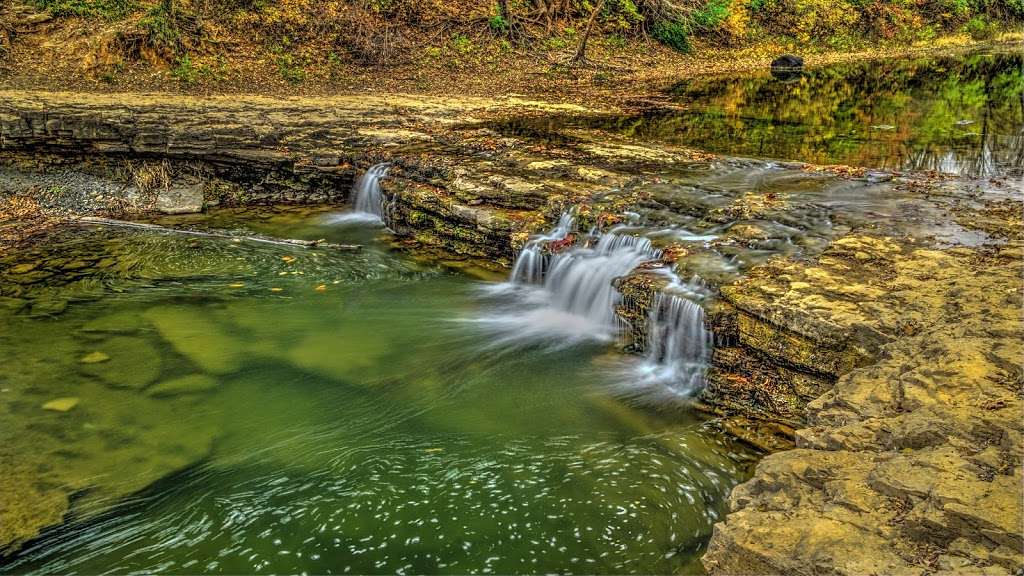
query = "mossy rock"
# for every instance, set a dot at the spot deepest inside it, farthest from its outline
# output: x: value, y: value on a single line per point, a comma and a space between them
x: 203, y: 341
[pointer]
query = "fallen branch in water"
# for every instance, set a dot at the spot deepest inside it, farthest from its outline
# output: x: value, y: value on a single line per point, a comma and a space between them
x: 263, y: 239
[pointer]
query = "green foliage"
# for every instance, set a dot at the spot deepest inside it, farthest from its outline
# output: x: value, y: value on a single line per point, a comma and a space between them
x: 106, y: 9
x: 981, y: 28
x: 673, y: 34
x: 184, y: 71
x: 615, y: 41
x: 711, y: 15
x: 161, y: 29
x: 288, y: 65
x: 622, y: 14
x: 462, y: 44
x: 555, y: 43
x: 498, y: 23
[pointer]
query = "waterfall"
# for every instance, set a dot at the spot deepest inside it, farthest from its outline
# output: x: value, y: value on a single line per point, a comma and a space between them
x: 367, y: 198
x: 678, y: 344
x: 560, y: 291
x: 580, y: 279
x: 529, y: 266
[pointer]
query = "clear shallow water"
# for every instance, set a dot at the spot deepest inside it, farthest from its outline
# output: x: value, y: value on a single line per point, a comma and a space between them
x: 958, y: 114
x: 324, y: 412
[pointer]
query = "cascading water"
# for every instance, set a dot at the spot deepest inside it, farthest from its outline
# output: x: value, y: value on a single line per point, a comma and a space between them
x: 678, y: 345
x: 529, y: 266
x: 562, y: 292
x: 367, y: 198
x: 580, y: 279
x: 561, y: 289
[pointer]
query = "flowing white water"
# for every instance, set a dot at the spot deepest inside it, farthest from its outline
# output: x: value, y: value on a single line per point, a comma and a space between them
x: 529, y: 266
x: 367, y: 198
x: 561, y: 292
x: 580, y: 280
x: 678, y: 345
x: 564, y: 295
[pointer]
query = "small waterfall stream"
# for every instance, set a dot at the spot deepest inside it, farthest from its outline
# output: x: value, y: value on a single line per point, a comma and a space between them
x: 580, y: 279
x: 678, y: 344
x: 529, y: 266
x: 367, y: 198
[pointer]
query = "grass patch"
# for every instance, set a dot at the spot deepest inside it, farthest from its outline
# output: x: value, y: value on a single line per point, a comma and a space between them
x: 105, y: 9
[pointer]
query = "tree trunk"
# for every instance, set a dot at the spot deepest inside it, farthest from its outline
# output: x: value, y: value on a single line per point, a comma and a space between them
x: 581, y: 52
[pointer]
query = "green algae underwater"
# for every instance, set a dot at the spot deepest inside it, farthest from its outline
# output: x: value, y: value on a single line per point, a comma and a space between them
x: 205, y: 405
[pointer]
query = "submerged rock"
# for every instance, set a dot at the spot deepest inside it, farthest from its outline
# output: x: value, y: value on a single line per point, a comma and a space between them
x: 191, y: 384
x: 117, y: 323
x: 131, y: 363
x: 198, y: 338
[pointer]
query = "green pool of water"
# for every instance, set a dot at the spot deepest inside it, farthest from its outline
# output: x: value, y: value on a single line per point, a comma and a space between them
x: 203, y: 405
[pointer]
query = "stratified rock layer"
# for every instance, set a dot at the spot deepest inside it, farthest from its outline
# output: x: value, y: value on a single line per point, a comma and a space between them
x: 912, y: 462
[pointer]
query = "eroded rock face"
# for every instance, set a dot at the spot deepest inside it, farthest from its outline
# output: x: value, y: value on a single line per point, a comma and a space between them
x: 910, y: 464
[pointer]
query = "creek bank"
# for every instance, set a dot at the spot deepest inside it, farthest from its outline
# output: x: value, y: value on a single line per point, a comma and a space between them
x: 910, y: 463
x: 789, y: 335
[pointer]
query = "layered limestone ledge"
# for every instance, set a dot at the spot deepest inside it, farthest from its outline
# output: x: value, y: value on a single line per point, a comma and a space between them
x: 454, y: 183
x: 911, y: 464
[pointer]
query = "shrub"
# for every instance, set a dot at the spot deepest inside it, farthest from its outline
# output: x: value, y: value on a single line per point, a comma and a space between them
x: 288, y: 66
x: 161, y: 30
x: 673, y: 34
x: 184, y: 71
x: 462, y: 44
x: 981, y: 28
x: 498, y: 23
x: 711, y: 15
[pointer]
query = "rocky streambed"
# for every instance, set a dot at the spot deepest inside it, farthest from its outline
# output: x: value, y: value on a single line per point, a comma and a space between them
x: 869, y: 318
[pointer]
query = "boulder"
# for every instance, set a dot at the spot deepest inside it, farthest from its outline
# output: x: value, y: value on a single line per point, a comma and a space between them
x: 787, y: 67
x: 788, y: 62
x: 181, y: 199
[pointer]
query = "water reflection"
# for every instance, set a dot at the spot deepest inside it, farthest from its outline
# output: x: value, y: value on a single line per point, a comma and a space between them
x: 961, y: 115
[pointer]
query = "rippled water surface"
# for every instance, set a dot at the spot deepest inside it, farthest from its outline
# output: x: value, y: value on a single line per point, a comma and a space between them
x: 240, y: 407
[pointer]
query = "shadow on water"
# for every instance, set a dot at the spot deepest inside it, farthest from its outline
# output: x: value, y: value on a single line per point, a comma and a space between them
x: 961, y: 115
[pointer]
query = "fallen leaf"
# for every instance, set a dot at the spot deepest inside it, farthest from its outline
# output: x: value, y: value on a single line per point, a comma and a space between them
x: 61, y: 404
x: 94, y: 358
